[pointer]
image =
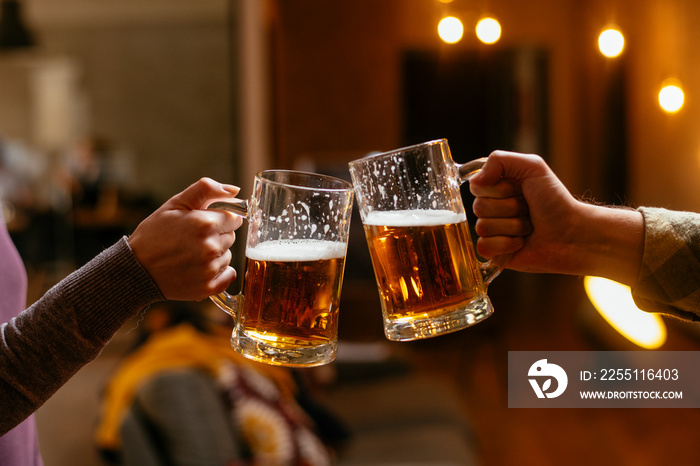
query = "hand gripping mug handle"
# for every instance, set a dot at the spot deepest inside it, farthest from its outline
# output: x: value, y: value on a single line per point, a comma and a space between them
x: 227, y: 302
x: 493, y: 267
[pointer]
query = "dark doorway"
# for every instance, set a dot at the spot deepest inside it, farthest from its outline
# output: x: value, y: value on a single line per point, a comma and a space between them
x: 479, y: 100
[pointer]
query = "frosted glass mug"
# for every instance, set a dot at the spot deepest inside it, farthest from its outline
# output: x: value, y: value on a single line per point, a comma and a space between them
x: 298, y: 226
x: 429, y: 279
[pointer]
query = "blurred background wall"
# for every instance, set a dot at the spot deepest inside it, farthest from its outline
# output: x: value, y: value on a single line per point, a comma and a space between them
x: 339, y: 80
x: 162, y: 80
x: 152, y: 77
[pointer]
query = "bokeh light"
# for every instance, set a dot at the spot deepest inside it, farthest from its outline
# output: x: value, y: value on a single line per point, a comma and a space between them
x: 614, y: 302
x: 450, y: 29
x: 488, y: 30
x: 611, y: 42
x: 671, y: 97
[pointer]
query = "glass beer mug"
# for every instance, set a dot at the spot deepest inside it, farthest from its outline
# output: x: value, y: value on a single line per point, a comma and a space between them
x: 430, y: 281
x: 287, y: 311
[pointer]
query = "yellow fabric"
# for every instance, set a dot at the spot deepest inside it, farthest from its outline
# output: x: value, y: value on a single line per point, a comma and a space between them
x: 171, y: 349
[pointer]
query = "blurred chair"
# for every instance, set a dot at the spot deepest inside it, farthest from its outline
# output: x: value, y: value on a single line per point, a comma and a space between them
x: 183, y: 396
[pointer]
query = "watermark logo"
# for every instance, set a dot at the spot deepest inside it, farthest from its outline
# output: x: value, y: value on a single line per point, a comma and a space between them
x: 540, y: 376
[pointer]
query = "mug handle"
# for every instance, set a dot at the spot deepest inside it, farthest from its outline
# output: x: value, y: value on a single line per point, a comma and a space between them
x: 224, y: 300
x: 493, y: 267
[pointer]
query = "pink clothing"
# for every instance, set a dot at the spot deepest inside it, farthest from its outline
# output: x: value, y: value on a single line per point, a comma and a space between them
x: 42, y: 346
x: 20, y: 446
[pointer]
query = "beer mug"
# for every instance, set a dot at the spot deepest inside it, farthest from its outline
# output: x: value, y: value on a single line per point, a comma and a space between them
x: 287, y: 311
x: 430, y: 281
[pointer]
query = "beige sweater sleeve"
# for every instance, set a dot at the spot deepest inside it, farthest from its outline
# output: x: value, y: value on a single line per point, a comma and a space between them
x: 669, y: 279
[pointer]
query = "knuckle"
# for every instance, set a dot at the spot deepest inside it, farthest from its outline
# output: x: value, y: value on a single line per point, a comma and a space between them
x: 478, y: 207
x: 481, y: 228
x: 211, y: 289
x: 483, y: 248
x: 513, y: 226
x: 205, y: 225
x: 537, y: 160
x: 208, y: 182
x: 210, y: 249
x: 513, y: 207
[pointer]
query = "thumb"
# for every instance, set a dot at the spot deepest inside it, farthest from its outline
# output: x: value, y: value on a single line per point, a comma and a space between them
x: 197, y: 195
x: 510, y: 165
x: 490, y: 173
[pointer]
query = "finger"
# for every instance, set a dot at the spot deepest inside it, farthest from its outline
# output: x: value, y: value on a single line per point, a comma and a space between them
x: 214, y: 223
x: 223, y: 262
x: 225, y: 221
x: 499, y: 245
x: 491, y: 227
x: 201, y: 192
x: 227, y: 239
x: 500, y: 189
x: 487, y: 207
x: 221, y: 282
x: 218, y: 267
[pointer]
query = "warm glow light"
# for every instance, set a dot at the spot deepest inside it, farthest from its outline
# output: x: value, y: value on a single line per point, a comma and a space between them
x: 450, y: 29
x: 488, y: 30
x: 611, y: 42
x: 671, y: 98
x: 614, y: 302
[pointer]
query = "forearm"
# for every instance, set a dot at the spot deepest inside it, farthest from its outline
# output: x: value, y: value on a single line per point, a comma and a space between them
x: 654, y: 251
x: 612, y: 240
x: 46, y: 344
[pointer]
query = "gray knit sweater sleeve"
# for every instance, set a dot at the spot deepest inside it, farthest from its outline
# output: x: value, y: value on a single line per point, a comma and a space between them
x: 46, y: 344
x: 669, y: 279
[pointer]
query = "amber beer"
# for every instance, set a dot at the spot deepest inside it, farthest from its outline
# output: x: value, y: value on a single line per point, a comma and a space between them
x: 423, y: 262
x: 291, y: 292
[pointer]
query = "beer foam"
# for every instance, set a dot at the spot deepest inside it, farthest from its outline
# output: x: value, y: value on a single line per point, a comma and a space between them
x: 300, y: 250
x: 413, y: 218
